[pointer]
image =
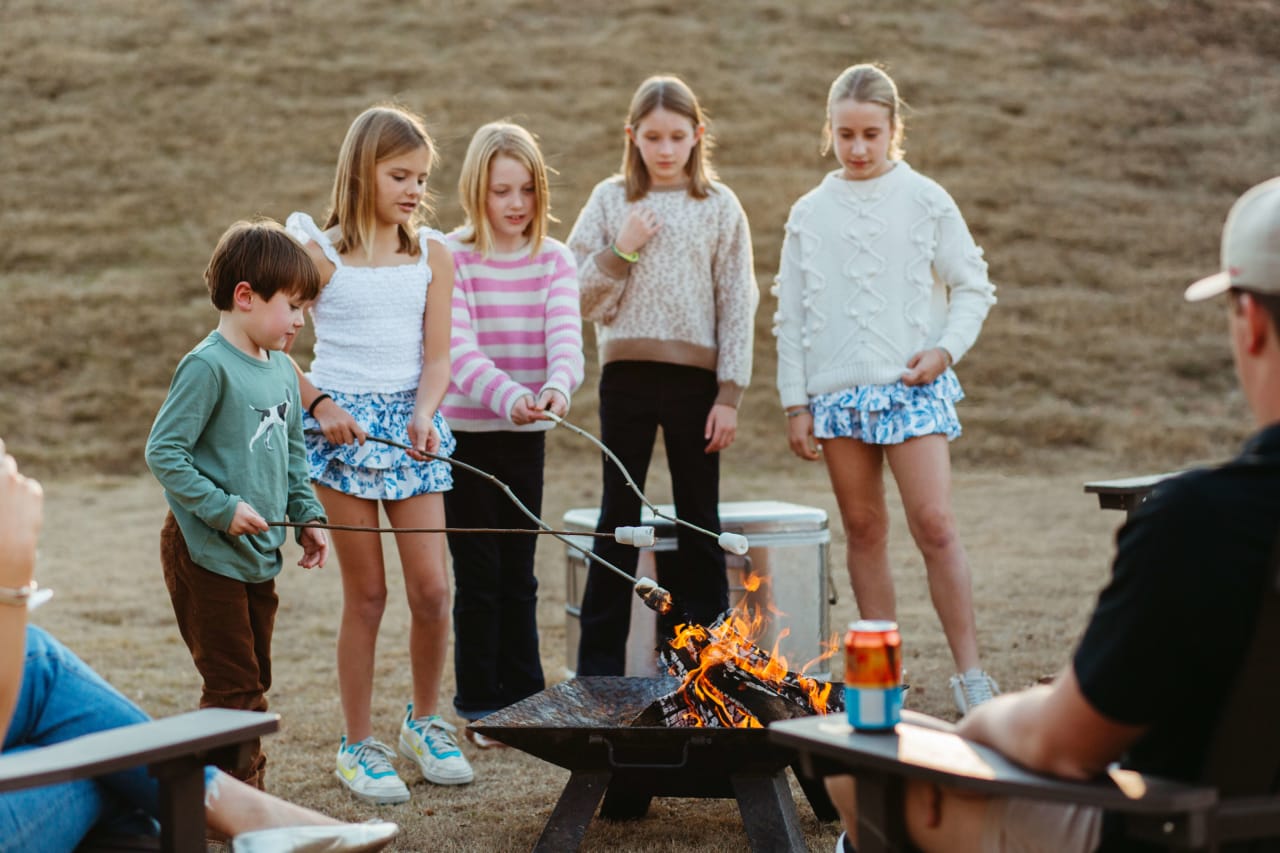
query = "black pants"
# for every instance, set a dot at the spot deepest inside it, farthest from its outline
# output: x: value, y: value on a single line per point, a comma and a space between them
x: 495, y: 628
x: 635, y: 399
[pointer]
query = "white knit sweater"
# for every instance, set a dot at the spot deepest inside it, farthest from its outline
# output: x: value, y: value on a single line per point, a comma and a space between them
x: 866, y: 270
x: 691, y: 298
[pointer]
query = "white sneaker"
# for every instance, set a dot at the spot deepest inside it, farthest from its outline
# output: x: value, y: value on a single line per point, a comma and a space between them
x: 365, y: 768
x: 429, y: 742
x: 970, y: 689
x: 348, y: 837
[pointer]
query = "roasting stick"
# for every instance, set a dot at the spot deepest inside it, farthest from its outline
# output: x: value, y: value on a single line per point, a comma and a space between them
x: 513, y: 531
x: 654, y: 596
x: 734, y: 543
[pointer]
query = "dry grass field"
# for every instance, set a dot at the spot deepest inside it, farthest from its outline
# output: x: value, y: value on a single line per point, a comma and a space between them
x: 1093, y: 146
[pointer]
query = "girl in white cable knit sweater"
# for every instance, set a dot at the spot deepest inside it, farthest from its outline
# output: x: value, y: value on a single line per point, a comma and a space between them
x: 665, y: 270
x: 880, y: 290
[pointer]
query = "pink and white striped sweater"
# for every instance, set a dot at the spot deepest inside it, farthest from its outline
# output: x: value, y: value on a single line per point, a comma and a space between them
x: 517, y: 330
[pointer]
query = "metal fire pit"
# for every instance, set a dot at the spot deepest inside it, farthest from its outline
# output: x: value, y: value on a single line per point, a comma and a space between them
x: 583, y: 726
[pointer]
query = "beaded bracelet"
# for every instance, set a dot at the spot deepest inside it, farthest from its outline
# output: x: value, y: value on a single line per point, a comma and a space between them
x: 629, y: 257
x: 795, y: 413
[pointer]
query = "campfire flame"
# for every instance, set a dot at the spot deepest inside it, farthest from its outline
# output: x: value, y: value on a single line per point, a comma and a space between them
x: 723, y: 661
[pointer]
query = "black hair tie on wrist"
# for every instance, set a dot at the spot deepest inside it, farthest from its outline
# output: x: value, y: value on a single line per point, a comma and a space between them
x: 311, y: 410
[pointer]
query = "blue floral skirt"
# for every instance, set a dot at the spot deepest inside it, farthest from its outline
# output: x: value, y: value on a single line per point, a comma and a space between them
x: 374, y: 470
x: 889, y: 414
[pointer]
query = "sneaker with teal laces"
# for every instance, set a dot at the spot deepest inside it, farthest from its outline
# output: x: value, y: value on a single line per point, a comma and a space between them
x: 365, y: 768
x: 429, y: 742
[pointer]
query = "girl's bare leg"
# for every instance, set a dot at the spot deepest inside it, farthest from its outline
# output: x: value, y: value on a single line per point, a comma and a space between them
x: 423, y: 557
x: 364, y: 598
x: 856, y: 471
x: 922, y: 468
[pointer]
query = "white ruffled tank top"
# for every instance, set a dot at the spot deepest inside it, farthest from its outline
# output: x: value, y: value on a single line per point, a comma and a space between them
x: 368, y: 320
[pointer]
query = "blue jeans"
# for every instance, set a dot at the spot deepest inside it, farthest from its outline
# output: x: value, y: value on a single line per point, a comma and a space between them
x: 62, y: 698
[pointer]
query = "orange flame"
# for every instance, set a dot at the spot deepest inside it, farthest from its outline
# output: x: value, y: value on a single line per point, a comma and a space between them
x: 731, y: 643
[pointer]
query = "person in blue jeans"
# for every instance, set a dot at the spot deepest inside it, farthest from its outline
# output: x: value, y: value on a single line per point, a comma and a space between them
x: 48, y: 695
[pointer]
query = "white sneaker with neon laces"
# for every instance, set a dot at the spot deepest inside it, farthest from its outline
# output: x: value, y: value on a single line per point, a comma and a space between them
x: 365, y: 768
x: 970, y: 689
x: 429, y: 742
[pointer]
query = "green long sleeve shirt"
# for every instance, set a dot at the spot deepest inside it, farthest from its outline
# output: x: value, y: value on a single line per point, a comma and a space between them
x: 230, y: 430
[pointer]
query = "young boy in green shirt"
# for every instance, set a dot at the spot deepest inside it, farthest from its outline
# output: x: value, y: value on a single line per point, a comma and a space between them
x: 227, y: 447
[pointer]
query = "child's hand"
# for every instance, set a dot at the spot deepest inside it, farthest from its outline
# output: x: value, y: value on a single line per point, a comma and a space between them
x: 423, y: 436
x: 800, y: 436
x: 721, y: 429
x: 315, y: 548
x: 640, y: 225
x: 553, y: 401
x: 525, y: 411
x: 21, y: 516
x: 924, y: 367
x: 337, y: 424
x: 247, y: 520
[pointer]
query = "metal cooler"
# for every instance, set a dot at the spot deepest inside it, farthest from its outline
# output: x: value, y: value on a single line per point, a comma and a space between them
x: 789, y: 545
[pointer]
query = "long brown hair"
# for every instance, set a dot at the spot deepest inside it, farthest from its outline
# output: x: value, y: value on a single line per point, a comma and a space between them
x: 674, y: 95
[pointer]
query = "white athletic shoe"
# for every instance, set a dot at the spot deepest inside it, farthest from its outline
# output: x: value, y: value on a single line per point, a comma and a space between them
x: 365, y: 768
x: 429, y: 742
x: 970, y: 689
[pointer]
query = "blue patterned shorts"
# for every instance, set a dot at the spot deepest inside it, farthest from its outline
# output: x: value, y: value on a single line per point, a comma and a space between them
x: 374, y: 470
x: 889, y: 414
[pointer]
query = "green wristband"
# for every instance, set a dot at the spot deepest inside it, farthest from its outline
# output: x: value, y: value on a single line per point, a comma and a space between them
x: 629, y: 257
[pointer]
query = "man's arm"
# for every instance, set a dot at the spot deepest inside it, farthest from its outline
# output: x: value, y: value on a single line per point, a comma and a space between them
x: 1052, y: 729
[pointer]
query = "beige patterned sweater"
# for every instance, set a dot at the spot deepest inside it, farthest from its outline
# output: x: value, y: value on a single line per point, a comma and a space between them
x: 692, y: 296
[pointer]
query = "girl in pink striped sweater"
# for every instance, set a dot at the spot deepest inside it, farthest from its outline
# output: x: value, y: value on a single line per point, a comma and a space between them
x: 517, y: 352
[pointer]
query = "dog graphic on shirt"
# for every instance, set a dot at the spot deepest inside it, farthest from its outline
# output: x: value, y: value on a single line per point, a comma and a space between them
x: 268, y: 419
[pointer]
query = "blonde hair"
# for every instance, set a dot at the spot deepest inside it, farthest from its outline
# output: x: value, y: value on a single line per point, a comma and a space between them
x: 674, y: 95
x: 378, y: 133
x: 868, y: 84
x: 494, y: 140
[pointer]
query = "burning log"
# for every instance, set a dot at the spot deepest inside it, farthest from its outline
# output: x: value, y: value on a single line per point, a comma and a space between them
x: 729, y: 681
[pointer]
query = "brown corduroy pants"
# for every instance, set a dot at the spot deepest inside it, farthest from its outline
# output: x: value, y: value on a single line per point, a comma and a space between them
x: 227, y: 626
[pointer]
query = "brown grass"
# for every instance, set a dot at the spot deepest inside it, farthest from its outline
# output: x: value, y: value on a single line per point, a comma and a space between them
x: 1094, y: 148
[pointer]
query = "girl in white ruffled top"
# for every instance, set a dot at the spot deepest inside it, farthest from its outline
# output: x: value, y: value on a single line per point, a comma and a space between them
x: 381, y: 368
x: 880, y: 290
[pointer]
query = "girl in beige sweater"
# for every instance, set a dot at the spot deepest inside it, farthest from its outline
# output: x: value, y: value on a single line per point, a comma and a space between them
x: 666, y: 274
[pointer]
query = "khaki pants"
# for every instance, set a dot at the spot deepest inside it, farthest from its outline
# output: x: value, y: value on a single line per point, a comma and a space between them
x: 227, y: 626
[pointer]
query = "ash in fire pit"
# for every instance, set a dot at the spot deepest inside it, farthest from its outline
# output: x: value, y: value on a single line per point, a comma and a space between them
x: 729, y: 681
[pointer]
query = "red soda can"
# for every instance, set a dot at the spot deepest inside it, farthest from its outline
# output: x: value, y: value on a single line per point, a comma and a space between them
x: 873, y: 674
